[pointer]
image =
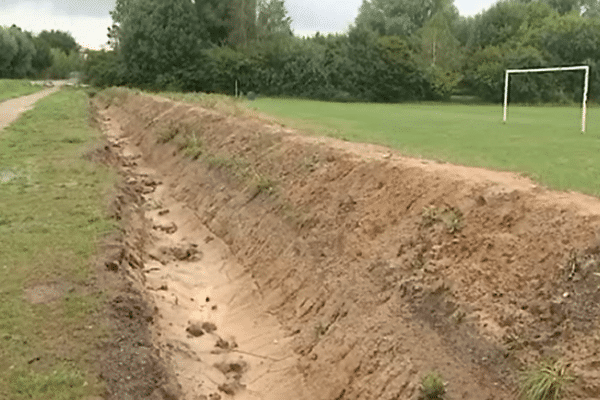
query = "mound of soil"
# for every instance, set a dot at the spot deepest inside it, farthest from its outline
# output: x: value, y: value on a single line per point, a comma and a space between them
x: 378, y: 268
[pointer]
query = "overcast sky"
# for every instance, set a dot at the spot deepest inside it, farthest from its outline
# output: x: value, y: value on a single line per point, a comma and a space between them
x: 88, y: 20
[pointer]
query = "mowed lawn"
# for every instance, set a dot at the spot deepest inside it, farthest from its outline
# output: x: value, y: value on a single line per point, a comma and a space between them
x: 11, y: 88
x: 544, y: 143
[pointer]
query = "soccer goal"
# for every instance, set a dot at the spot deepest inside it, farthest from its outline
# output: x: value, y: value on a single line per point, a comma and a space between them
x: 586, y: 85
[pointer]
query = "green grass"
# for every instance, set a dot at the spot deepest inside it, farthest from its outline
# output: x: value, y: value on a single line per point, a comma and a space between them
x: 51, y: 217
x: 11, y: 88
x: 544, y: 143
x: 546, y: 381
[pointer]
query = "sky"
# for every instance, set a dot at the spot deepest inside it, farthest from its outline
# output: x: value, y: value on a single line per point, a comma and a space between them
x: 88, y: 20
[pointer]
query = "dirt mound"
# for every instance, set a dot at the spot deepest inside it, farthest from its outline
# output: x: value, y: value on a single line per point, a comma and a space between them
x: 378, y: 268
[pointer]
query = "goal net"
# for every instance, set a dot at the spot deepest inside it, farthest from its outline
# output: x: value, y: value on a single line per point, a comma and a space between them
x: 586, y: 85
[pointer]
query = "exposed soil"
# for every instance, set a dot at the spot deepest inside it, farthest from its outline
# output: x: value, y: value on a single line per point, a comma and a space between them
x: 271, y: 265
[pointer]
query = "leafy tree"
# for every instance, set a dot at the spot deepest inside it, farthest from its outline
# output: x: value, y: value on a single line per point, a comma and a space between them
x: 43, y: 55
x: 159, y: 41
x: 243, y: 22
x: 396, y: 17
x: 273, y: 21
x: 59, y: 40
x: 20, y: 65
x: 214, y: 18
x: 8, y: 50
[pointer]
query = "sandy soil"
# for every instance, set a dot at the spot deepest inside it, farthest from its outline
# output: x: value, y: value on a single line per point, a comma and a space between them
x: 10, y: 110
x: 286, y: 266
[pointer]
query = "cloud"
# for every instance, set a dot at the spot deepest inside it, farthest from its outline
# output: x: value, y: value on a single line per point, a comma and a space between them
x: 89, y: 8
x: 322, y: 15
x: 88, y: 30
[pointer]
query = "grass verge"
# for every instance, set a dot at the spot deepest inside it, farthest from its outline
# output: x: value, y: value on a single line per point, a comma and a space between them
x: 544, y: 143
x: 51, y: 217
x: 11, y: 88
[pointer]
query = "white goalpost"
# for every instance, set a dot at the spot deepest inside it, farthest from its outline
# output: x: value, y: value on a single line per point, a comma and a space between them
x: 586, y: 85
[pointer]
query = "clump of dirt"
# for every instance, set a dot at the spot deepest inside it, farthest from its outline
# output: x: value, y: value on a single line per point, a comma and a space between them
x: 381, y: 266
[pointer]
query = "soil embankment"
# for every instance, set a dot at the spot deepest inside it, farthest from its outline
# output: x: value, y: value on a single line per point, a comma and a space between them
x: 285, y: 266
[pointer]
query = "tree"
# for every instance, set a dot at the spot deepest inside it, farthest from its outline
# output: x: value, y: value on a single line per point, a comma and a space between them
x: 397, y: 17
x: 440, y: 54
x: 273, y: 20
x: 159, y: 41
x: 43, y: 55
x: 20, y: 65
x: 214, y: 18
x: 242, y: 25
x: 8, y: 50
x: 60, y: 40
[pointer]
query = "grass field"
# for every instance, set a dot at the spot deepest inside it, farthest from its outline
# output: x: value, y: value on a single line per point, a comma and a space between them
x: 544, y: 143
x: 51, y: 216
x: 11, y: 88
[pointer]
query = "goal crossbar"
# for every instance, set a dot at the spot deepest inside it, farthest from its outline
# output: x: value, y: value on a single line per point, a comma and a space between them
x: 586, y: 85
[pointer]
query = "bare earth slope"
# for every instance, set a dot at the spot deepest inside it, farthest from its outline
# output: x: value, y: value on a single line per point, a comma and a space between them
x: 285, y: 266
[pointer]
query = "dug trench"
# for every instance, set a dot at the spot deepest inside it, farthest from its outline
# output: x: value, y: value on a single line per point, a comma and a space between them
x: 277, y: 265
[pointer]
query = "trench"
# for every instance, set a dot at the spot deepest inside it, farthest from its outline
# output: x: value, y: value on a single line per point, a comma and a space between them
x: 286, y: 266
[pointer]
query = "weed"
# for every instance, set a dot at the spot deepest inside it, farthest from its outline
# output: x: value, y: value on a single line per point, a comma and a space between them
x: 546, y: 381
x: 264, y: 185
x: 432, y: 386
x: 166, y: 134
x: 192, y: 146
x: 451, y: 217
x: 430, y: 215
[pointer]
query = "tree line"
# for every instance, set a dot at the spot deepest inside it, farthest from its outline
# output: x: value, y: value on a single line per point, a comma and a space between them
x: 396, y: 50
x: 49, y: 54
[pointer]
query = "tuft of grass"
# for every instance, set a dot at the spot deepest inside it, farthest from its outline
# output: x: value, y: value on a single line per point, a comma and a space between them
x: 545, y: 381
x: 432, y: 386
x: 166, y: 134
x: 264, y: 184
x: 192, y: 146
x: 11, y: 88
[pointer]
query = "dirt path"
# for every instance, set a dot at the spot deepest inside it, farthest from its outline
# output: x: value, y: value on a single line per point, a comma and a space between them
x: 284, y: 266
x: 10, y: 110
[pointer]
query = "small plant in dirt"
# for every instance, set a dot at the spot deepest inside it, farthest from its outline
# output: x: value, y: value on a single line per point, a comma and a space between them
x: 452, y: 217
x: 545, y: 381
x: 166, y: 134
x: 430, y: 215
x: 263, y: 184
x: 433, y: 387
x: 192, y: 146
